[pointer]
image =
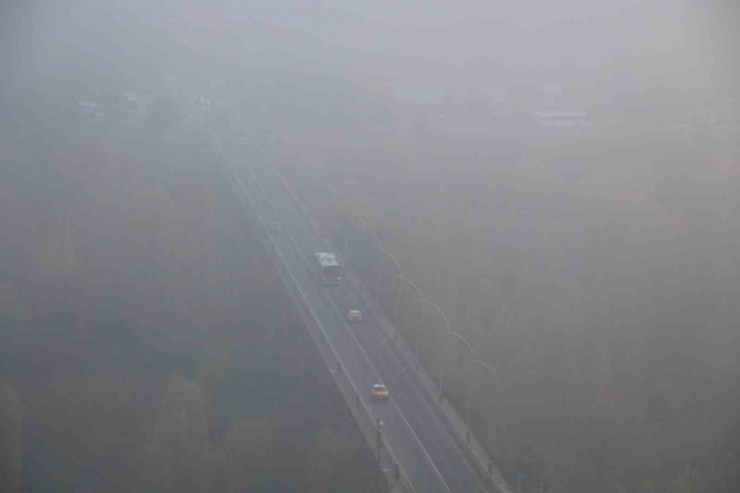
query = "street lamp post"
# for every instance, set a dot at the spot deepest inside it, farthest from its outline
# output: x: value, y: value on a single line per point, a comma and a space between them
x: 377, y: 284
x: 380, y: 269
x: 346, y: 238
x: 381, y: 249
x: 398, y: 303
x: 498, y: 405
x: 398, y: 297
x: 375, y: 237
x: 380, y: 265
x: 380, y: 425
x: 475, y: 378
x: 404, y: 370
x: 501, y: 315
x: 421, y: 319
x: 449, y: 330
x: 470, y: 401
x: 395, y: 261
x: 418, y: 331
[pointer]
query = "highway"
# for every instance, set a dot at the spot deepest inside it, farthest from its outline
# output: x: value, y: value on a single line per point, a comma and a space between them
x: 412, y: 424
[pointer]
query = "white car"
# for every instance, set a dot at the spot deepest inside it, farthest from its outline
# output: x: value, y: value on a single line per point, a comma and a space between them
x: 354, y: 316
x: 379, y: 392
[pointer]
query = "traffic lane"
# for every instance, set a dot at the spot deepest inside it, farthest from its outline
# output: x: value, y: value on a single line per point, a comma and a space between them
x: 298, y: 220
x: 396, y: 376
x: 348, y: 298
x: 354, y: 300
x: 379, y: 413
x: 290, y: 255
x: 427, y: 398
x: 448, y: 459
x: 347, y: 343
x: 300, y: 261
x: 424, y: 392
x: 409, y: 452
x: 420, y: 425
x: 420, y: 410
x: 406, y: 447
x: 359, y: 368
x: 428, y: 475
x: 300, y: 264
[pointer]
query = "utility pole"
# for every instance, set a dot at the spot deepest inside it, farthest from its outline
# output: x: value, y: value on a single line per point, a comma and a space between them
x: 377, y: 284
x: 380, y: 425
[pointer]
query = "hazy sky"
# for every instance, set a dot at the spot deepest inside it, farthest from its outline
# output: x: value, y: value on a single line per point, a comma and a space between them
x: 480, y: 39
x: 426, y: 42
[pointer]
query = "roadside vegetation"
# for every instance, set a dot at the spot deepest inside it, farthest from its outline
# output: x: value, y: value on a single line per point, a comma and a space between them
x: 146, y: 342
x: 595, y: 273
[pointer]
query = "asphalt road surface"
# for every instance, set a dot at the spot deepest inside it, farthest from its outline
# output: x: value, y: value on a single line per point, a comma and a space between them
x: 416, y: 431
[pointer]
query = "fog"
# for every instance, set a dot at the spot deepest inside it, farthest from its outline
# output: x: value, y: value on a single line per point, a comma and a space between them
x: 681, y: 45
x: 593, y: 265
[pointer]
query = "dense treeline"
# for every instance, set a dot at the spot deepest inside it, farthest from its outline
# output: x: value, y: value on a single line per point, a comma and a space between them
x: 146, y: 342
x: 596, y: 274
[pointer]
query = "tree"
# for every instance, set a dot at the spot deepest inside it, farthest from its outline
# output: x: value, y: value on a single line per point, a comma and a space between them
x: 177, y: 457
x: 331, y: 463
x: 649, y: 486
x: 248, y: 455
x: 11, y: 446
x: 682, y: 486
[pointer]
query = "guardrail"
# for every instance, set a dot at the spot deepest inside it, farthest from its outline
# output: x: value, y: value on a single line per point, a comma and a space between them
x: 395, y: 474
